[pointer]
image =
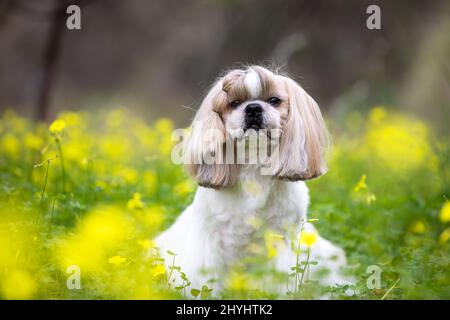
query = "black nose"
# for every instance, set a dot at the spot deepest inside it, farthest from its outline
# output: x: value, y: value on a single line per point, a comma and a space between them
x: 253, y: 109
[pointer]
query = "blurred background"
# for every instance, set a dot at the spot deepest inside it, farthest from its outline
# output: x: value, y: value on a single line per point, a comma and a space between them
x: 94, y: 183
x: 154, y: 57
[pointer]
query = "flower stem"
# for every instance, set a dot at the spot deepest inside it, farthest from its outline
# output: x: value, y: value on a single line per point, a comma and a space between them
x: 171, y: 270
x: 390, y: 289
x: 306, y: 265
x: 297, y: 284
x: 63, y: 172
x: 38, y: 216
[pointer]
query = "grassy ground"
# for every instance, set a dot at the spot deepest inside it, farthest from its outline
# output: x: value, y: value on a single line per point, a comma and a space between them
x: 91, y: 190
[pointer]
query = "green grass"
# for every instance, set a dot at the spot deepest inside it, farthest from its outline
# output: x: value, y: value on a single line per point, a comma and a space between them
x: 92, y: 189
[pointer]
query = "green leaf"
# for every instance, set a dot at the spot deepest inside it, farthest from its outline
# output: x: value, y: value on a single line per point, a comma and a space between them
x: 195, y: 292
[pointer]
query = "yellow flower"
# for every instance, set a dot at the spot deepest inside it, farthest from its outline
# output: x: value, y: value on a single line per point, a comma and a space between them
x: 308, y: 238
x: 19, y: 285
x: 57, y: 126
x: 146, y: 243
x: 117, y: 260
x: 271, y: 241
x: 445, y: 236
x: 418, y: 227
x: 444, y: 215
x: 238, y: 281
x: 135, y: 202
x: 361, y: 185
x: 158, y: 270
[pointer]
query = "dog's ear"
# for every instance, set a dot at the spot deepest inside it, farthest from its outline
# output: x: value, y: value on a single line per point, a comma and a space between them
x: 204, y: 148
x: 305, y: 138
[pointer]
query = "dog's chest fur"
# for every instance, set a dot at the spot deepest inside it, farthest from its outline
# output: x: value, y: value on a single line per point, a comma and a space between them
x: 234, y: 216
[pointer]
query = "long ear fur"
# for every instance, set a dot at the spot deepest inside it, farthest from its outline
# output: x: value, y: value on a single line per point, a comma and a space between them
x: 305, y: 139
x: 204, y: 149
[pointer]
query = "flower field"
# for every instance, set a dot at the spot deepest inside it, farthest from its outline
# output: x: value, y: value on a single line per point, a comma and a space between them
x: 90, y: 190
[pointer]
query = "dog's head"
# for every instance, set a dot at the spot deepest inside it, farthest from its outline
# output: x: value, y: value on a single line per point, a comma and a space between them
x: 257, y: 99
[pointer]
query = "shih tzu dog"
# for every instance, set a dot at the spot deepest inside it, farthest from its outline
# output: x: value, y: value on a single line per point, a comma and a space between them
x: 289, y: 140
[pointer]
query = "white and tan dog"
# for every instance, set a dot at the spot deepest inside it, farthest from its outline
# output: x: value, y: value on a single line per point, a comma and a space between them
x: 213, y: 232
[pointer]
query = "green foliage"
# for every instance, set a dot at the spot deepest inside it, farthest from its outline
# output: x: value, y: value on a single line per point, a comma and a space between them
x: 93, y: 189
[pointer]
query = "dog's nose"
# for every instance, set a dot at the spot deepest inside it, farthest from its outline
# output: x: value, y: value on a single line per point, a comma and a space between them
x: 253, y: 109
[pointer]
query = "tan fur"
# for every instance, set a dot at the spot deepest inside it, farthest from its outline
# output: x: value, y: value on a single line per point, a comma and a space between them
x: 208, y: 137
x: 304, y: 140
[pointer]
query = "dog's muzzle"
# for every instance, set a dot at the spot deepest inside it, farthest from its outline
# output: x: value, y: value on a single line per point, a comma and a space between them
x: 253, y: 117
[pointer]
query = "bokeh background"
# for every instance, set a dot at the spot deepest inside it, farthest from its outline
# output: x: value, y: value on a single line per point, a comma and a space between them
x: 156, y: 56
x: 86, y: 117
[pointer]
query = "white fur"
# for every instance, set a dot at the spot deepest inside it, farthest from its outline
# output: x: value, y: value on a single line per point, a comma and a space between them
x: 234, y: 120
x: 252, y: 83
x: 214, y: 232
x: 211, y: 233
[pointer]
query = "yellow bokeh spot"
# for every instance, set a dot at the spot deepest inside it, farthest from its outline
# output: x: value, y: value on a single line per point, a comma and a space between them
x: 238, y: 281
x: 115, y: 146
x: 150, y: 179
x: 398, y: 142
x: 97, y: 234
x: 152, y: 217
x: 370, y: 198
x: 164, y: 126
x: 272, y: 242
x: 130, y: 175
x: 19, y: 285
x: 184, y: 188
x: 33, y: 141
x: 444, y: 215
x: 445, y: 236
x: 377, y: 115
x: 146, y: 243
x: 71, y: 118
x: 10, y: 144
x: 418, y: 227
x: 117, y: 260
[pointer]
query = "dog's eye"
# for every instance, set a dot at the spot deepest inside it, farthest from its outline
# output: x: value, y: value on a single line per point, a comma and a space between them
x: 274, y: 101
x: 235, y: 103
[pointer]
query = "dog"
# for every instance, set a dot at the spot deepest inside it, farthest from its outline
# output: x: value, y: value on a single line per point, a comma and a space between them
x: 214, y: 232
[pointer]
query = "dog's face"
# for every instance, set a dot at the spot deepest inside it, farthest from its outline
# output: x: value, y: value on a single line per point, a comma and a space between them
x: 252, y: 100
